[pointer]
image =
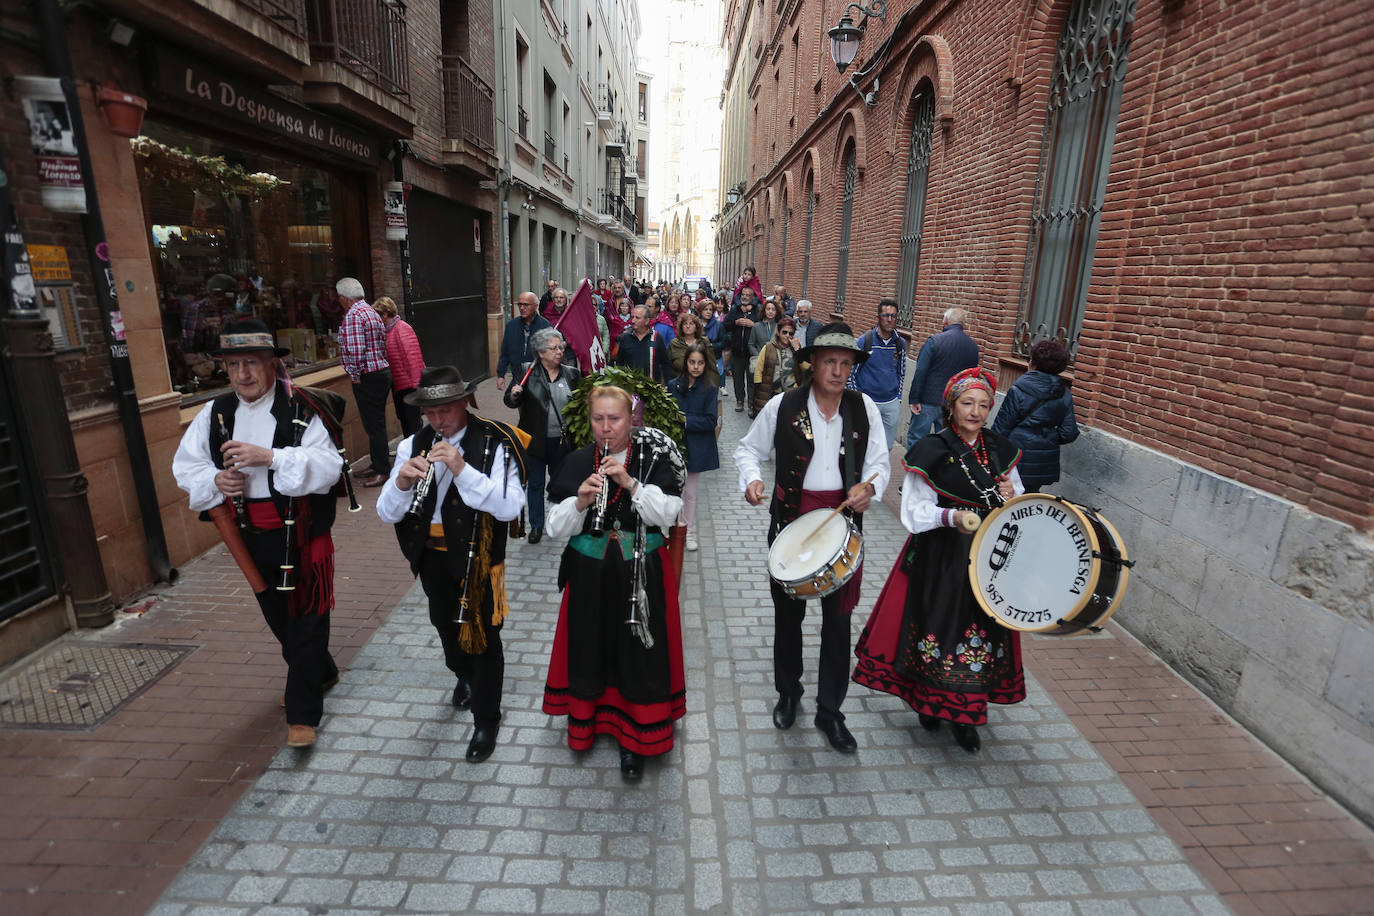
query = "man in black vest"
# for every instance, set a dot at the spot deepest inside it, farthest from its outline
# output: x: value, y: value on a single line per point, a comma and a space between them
x: 453, y: 532
x: 270, y: 454
x: 831, y: 451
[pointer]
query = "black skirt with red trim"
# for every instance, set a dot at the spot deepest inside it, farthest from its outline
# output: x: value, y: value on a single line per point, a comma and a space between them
x: 929, y: 643
x: 600, y: 675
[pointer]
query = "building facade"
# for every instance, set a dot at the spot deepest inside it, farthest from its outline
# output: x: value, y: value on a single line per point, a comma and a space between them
x: 690, y: 115
x: 258, y: 175
x: 1190, y: 217
x: 567, y: 124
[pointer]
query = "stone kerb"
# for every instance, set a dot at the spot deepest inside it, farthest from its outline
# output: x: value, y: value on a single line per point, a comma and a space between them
x: 1263, y: 605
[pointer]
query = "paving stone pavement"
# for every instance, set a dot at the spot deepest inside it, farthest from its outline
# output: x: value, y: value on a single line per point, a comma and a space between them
x: 384, y: 815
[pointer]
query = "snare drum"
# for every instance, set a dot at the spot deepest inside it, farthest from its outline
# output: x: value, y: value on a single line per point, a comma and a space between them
x: 1042, y: 564
x: 822, y: 563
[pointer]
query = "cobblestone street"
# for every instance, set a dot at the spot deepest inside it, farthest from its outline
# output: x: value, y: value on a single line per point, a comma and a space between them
x: 383, y: 814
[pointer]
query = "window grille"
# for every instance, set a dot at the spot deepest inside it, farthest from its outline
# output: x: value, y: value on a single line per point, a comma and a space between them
x: 917, y: 177
x: 1075, y: 159
x: 851, y: 170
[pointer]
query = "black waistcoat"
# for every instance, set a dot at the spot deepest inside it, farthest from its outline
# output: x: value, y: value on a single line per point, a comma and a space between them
x: 795, y: 448
x: 457, y: 517
x: 322, y: 505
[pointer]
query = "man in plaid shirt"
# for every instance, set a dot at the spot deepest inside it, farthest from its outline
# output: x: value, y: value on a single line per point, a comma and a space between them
x: 362, y: 347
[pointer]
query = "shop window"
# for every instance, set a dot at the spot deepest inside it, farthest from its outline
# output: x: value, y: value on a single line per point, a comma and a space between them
x: 238, y: 232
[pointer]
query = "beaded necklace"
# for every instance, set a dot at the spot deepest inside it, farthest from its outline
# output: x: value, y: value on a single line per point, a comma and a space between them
x: 979, y: 450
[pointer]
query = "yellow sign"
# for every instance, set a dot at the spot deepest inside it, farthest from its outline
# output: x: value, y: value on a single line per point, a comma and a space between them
x: 48, y: 263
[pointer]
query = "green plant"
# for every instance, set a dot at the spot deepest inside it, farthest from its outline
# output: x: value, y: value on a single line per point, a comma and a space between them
x: 660, y: 410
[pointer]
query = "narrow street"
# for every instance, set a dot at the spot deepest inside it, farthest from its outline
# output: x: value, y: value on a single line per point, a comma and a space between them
x: 1115, y: 788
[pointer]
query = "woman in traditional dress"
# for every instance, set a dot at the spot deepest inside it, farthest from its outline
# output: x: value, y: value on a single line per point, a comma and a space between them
x: 607, y: 674
x: 928, y: 641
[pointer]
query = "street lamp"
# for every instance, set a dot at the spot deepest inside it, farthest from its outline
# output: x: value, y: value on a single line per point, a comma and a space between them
x: 732, y: 196
x: 845, y: 37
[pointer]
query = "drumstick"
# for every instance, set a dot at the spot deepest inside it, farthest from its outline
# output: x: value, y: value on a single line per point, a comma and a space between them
x: 825, y: 521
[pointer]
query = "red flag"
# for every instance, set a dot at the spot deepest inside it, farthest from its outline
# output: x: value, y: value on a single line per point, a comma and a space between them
x: 578, y: 327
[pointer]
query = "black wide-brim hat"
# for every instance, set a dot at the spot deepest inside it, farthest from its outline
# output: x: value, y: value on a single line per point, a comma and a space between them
x: 248, y: 335
x: 440, y: 385
x: 833, y: 336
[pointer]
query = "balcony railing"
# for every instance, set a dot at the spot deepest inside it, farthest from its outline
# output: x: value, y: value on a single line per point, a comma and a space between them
x: 605, y: 104
x: 366, y: 36
x: 522, y: 121
x: 468, y: 104
x: 289, y: 15
x: 614, y: 205
x: 550, y: 148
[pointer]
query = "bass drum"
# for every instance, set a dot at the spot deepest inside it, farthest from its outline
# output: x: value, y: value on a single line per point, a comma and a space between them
x: 1043, y: 564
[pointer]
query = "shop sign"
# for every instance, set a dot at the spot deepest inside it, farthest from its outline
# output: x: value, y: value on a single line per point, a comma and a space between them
x: 183, y: 80
x: 394, y: 206
x: 54, y: 143
x: 49, y: 264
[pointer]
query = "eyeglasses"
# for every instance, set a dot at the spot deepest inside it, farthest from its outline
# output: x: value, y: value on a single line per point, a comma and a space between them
x: 784, y: 333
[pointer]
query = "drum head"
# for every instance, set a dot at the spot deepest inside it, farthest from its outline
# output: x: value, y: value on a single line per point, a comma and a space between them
x: 796, y: 555
x: 1032, y: 563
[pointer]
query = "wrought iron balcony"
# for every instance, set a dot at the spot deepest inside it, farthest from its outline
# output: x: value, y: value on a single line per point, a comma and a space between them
x: 366, y: 36
x: 605, y: 105
x: 469, y: 112
x: 523, y: 122
x: 289, y: 15
x: 615, y: 206
x: 550, y: 148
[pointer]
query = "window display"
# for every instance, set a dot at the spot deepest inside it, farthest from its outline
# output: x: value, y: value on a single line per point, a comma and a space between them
x: 239, y: 233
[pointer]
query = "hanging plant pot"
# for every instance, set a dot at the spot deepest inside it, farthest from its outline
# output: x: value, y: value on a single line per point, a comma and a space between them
x: 123, y: 112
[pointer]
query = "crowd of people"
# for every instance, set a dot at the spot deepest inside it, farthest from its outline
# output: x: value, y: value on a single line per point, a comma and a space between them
x: 824, y: 408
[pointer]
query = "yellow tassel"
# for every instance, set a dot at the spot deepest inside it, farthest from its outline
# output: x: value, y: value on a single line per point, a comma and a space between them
x: 500, y: 606
x: 472, y: 638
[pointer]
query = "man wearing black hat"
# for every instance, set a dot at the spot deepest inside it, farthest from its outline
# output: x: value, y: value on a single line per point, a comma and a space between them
x: 831, y: 451
x: 453, y: 487
x: 248, y: 447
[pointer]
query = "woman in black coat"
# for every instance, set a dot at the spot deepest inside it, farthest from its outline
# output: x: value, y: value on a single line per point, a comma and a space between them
x: 1037, y: 415
x: 541, y: 401
x: 699, y: 400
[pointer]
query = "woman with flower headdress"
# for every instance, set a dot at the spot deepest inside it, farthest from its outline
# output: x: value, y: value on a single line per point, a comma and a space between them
x: 927, y: 640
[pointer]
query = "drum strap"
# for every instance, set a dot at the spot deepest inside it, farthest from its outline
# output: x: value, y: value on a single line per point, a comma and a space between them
x: 851, y: 475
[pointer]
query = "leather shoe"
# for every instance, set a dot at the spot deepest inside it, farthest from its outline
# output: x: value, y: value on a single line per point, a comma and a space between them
x: 482, y: 744
x: 300, y: 736
x: 462, y: 694
x: 839, y: 736
x: 631, y: 765
x: 785, y: 713
x: 536, y: 535
x: 966, y: 736
x: 376, y: 480
x: 929, y: 723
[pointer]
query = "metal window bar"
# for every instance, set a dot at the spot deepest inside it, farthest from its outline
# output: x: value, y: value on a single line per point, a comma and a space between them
x: 469, y: 108
x: 289, y: 15
x: 550, y: 148
x: 851, y: 171
x: 917, y: 178
x: 523, y: 121
x: 1075, y: 161
x: 367, y: 36
x: 810, y: 226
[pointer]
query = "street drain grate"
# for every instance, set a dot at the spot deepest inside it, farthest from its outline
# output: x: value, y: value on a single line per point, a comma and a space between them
x: 76, y: 685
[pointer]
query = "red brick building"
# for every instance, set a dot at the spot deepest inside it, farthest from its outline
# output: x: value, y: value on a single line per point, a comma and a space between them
x: 257, y: 180
x: 1182, y: 192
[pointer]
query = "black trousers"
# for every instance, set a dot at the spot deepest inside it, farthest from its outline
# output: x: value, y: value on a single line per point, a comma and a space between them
x: 744, y: 379
x: 833, y: 666
x: 484, y: 672
x: 410, y: 416
x: 370, y: 392
x: 304, y: 638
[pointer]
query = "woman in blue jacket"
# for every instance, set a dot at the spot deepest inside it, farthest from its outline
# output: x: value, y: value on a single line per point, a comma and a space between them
x: 1037, y: 415
x: 698, y: 399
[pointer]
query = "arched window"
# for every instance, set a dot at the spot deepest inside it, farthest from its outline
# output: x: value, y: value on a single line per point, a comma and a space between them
x: 810, y: 226
x: 786, y: 217
x: 851, y: 171
x: 1075, y: 158
x: 917, y: 177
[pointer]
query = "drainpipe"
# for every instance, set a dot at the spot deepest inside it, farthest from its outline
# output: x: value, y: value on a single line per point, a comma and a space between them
x: 503, y: 178
x: 397, y: 155
x: 33, y: 364
x: 58, y: 61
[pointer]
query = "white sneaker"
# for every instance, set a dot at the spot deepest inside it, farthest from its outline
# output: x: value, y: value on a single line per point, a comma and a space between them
x: 691, y: 542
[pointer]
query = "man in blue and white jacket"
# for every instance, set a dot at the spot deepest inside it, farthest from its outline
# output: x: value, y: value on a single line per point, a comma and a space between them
x: 882, y: 374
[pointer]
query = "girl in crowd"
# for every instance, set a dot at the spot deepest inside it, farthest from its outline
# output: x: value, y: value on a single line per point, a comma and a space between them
x: 616, y: 667
x: 699, y: 398
x: 689, y: 334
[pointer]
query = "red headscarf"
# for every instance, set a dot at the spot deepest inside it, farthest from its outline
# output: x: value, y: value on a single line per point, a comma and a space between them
x: 960, y: 382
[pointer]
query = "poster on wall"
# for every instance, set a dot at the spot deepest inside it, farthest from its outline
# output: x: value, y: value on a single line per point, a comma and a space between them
x: 53, y: 141
x: 394, y: 205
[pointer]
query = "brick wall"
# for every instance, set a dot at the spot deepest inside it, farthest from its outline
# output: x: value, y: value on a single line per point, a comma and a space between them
x: 1228, y: 320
